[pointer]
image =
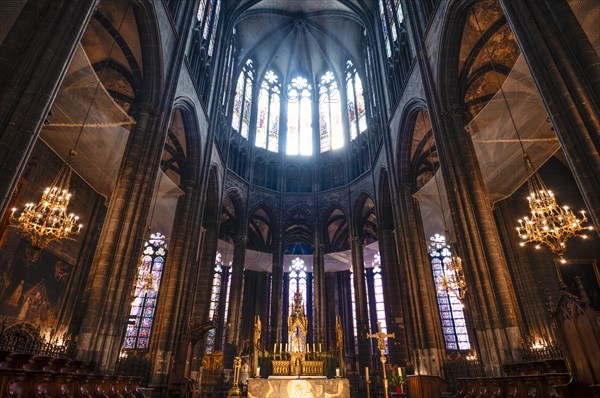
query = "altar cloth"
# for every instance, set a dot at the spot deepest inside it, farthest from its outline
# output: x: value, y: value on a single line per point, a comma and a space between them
x: 298, y: 388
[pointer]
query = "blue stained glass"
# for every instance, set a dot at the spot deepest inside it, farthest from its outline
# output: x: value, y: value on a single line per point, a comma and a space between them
x: 451, y: 313
x: 142, y: 308
x: 130, y: 342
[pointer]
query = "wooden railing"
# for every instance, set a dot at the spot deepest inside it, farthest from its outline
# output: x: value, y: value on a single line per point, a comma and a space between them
x: 545, y: 385
x: 24, y: 375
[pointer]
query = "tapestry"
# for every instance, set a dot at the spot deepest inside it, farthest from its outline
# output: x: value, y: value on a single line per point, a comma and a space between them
x: 32, y: 291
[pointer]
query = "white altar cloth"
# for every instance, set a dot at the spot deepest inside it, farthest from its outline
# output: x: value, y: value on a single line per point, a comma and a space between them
x: 305, y: 387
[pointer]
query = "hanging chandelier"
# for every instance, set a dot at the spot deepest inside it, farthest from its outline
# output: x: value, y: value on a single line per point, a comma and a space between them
x: 454, y: 278
x: 48, y: 220
x: 550, y: 224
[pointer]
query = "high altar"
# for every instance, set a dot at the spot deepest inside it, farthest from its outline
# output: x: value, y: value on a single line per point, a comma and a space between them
x: 296, y: 371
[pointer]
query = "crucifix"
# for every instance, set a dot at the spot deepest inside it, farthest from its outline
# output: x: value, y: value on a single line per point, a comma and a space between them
x: 380, y: 336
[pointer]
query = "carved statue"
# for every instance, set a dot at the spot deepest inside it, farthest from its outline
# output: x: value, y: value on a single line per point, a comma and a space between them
x: 339, y: 334
x: 257, y: 330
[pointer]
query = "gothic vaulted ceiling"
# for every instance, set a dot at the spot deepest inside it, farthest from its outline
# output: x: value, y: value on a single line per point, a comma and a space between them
x: 300, y: 36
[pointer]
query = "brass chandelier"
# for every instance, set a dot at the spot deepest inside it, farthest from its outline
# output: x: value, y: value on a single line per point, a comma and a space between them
x: 549, y: 224
x: 48, y: 220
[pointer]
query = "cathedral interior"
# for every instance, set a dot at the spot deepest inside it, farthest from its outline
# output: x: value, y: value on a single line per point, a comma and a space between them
x: 211, y: 198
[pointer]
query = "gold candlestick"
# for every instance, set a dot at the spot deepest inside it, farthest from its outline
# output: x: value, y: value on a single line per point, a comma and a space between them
x: 235, y: 391
x: 367, y: 382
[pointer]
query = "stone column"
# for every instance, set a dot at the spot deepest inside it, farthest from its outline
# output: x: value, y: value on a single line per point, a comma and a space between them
x: 372, y: 310
x: 529, y: 291
x: 204, y: 274
x: 276, y: 297
x: 115, y: 262
x: 360, y: 300
x: 170, y: 332
x: 34, y: 58
x: 222, y: 303
x: 394, y: 299
x: 566, y: 70
x: 235, y: 301
x: 319, y: 293
x: 491, y: 296
x: 424, y: 325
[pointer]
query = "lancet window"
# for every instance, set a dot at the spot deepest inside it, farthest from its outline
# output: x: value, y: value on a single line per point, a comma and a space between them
x: 269, y: 107
x: 203, y: 43
x: 240, y: 120
x: 379, y: 301
x: 141, y: 314
x: 208, y: 18
x: 221, y: 276
x: 298, y: 281
x: 391, y: 16
x: 357, y: 115
x: 299, y: 118
x: 331, y: 131
x: 454, y: 326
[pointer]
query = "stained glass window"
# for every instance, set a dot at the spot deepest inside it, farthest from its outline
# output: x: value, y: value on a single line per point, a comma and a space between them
x: 297, y: 281
x: 354, y: 313
x: 331, y: 131
x: 451, y: 310
x: 240, y: 120
x: 391, y: 16
x: 399, y: 11
x: 391, y: 19
x: 299, y: 118
x: 220, y: 273
x: 379, y: 302
x: 215, y: 23
x: 227, y: 75
x: 141, y: 314
x: 269, y: 103
x: 208, y: 14
x: 201, y: 9
x: 357, y: 115
x: 384, y: 27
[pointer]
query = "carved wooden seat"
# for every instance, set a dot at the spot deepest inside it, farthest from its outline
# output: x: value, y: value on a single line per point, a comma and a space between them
x: 579, y: 335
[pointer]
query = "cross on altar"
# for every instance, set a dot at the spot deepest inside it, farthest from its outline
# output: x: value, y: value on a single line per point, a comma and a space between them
x: 380, y: 336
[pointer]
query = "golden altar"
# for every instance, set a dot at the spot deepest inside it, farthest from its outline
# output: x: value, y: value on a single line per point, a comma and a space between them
x: 298, y: 360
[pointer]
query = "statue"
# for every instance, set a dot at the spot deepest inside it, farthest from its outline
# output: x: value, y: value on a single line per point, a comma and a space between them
x: 257, y: 330
x: 256, y: 345
x: 339, y: 334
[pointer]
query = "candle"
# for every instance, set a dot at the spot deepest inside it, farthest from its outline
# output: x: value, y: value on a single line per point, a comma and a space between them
x: 319, y: 347
x: 400, y: 372
x: 367, y: 373
x: 307, y: 348
x: 280, y: 348
x: 337, y: 372
x: 286, y: 347
x: 274, y: 348
x: 258, y: 371
x: 314, y: 347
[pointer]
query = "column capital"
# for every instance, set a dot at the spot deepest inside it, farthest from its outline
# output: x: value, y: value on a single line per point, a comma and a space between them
x: 354, y: 240
x: 147, y: 109
x: 453, y: 111
x: 239, y: 239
